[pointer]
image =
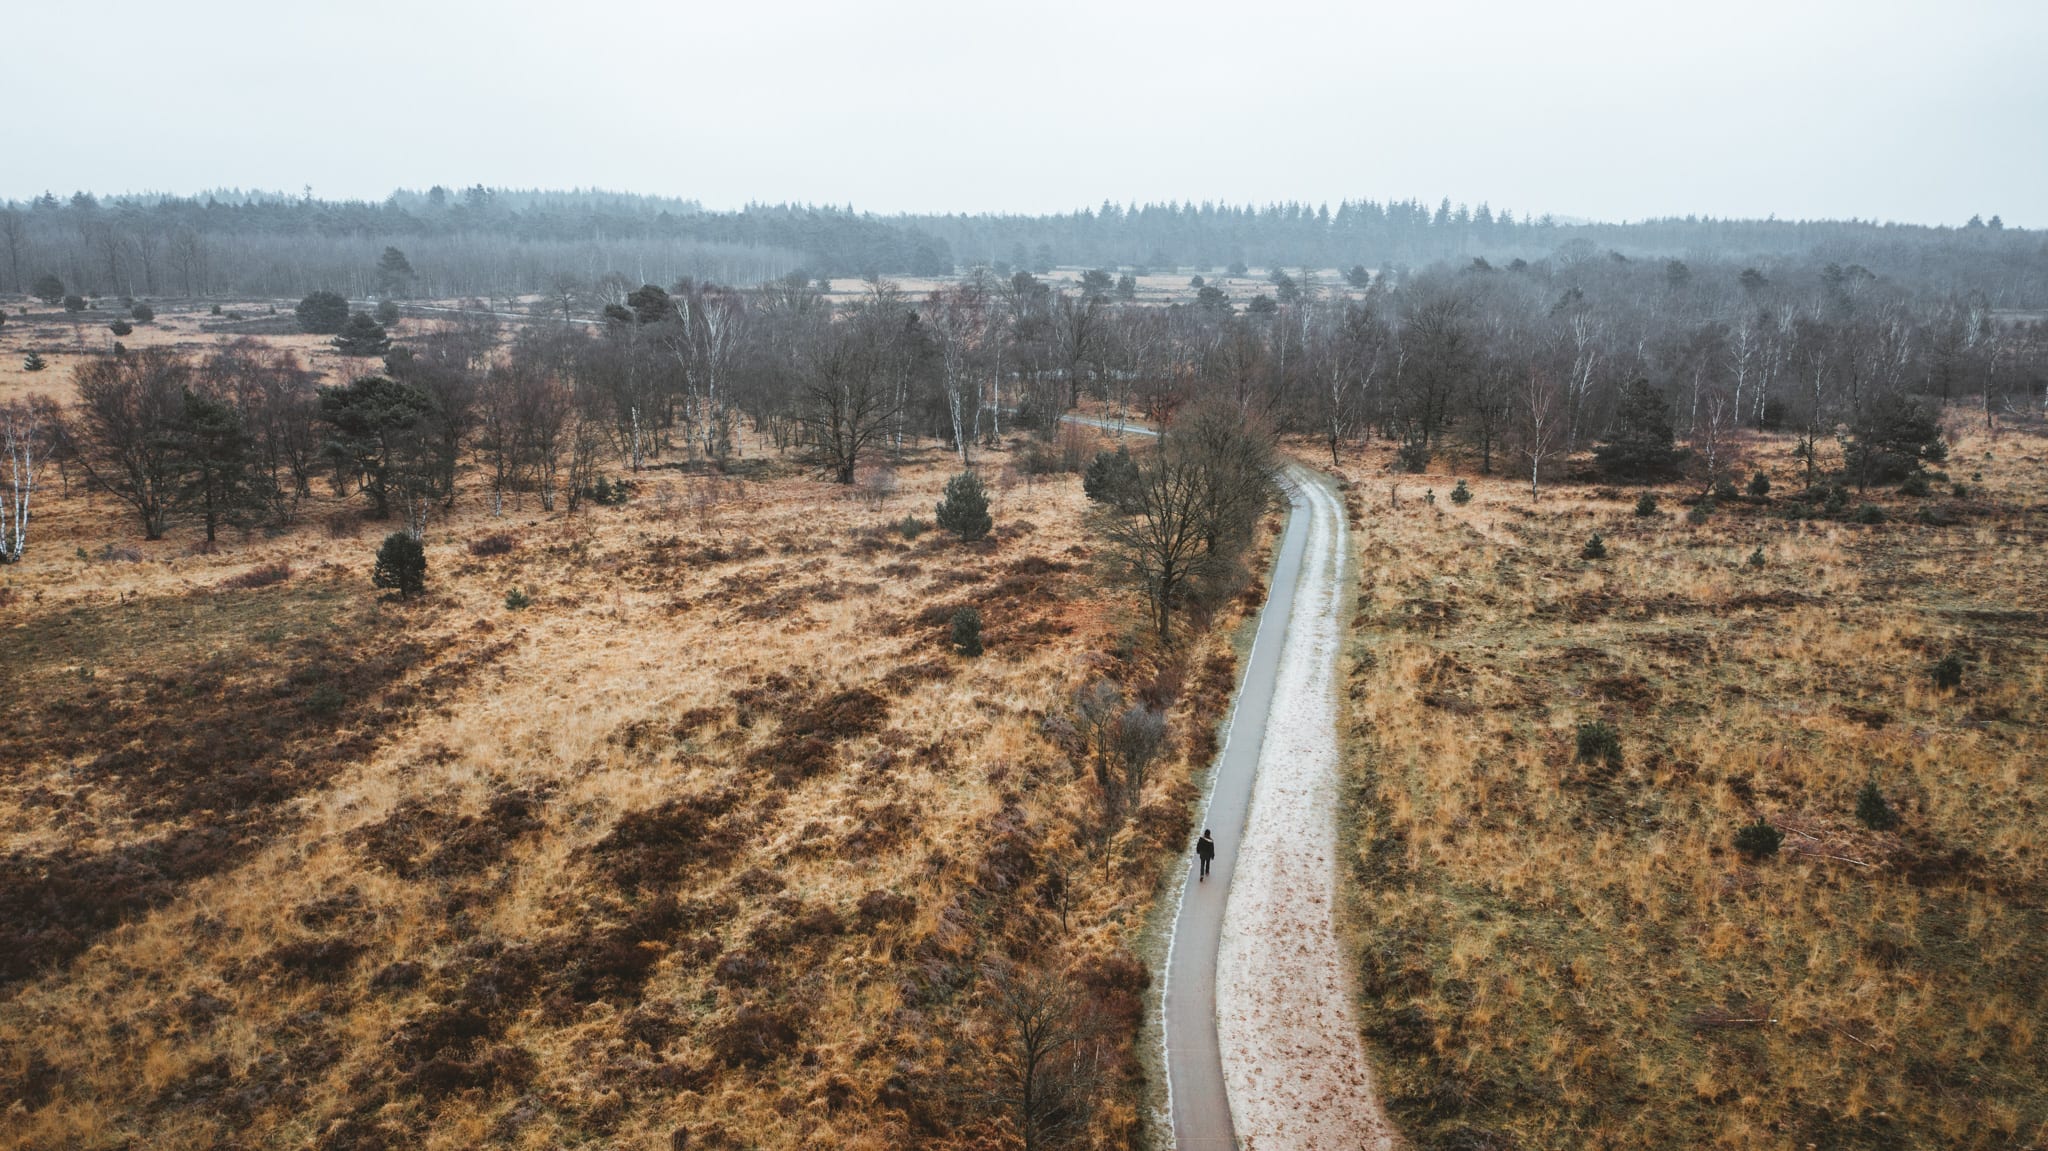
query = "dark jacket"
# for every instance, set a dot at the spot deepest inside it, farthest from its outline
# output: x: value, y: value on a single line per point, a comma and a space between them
x: 1205, y: 847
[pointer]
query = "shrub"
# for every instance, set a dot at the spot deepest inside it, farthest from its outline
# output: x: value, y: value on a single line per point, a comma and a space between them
x: 1595, y: 549
x: 1872, y: 810
x: 1700, y: 512
x: 495, y: 544
x: 1646, y: 505
x: 322, y: 313
x: 1961, y: 490
x: 1412, y: 457
x: 1915, y: 485
x: 1461, y: 495
x: 1869, y: 514
x: 964, y: 510
x: 74, y: 303
x: 1759, y: 840
x: 967, y: 631
x: 1756, y: 558
x: 1724, y: 489
x: 910, y: 527
x: 605, y: 493
x: 215, y: 310
x: 1947, y: 673
x: 256, y: 577
x: 517, y: 600
x: 1111, y: 477
x: 1599, y: 743
x: 1835, y: 501
x: 401, y: 565
x: 33, y: 362
x: 143, y: 313
x: 121, y: 328
x: 1759, y: 485
x: 387, y: 312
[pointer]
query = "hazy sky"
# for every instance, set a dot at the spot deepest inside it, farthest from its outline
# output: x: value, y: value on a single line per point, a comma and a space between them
x: 1924, y: 112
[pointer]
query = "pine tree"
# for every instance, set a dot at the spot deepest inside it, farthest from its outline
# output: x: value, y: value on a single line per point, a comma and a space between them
x: 1873, y: 811
x: 1639, y: 444
x: 362, y: 336
x: 322, y: 313
x: 401, y: 565
x: 964, y: 511
x: 33, y: 362
x: 967, y: 631
x: 215, y: 453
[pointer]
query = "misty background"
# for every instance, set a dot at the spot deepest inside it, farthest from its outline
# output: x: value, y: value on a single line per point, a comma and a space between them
x: 1915, y: 112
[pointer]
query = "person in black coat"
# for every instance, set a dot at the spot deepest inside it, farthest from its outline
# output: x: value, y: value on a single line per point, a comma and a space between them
x: 1205, y: 850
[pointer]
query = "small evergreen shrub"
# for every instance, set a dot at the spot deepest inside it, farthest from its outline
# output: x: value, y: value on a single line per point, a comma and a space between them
x: 517, y: 600
x: 1412, y: 458
x: 401, y: 565
x: 33, y: 362
x: 1948, y: 672
x: 143, y: 313
x: 1111, y: 478
x: 215, y: 310
x: 1759, y: 486
x: 1599, y: 743
x: 1872, y: 810
x: 495, y: 544
x: 1915, y: 485
x: 910, y: 527
x: 1724, y: 489
x: 121, y: 328
x: 1869, y: 514
x: 1759, y: 840
x: 1834, y: 502
x: 967, y: 631
x: 1756, y: 558
x: 964, y: 510
x: 1461, y: 495
x: 1960, y: 489
x: 1595, y: 549
x: 1646, y: 505
x: 606, y: 493
x: 1700, y: 512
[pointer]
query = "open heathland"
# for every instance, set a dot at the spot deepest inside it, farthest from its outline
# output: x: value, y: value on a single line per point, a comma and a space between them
x: 1614, y: 881
x: 677, y: 821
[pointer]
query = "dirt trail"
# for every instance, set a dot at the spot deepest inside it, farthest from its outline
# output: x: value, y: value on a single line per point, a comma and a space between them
x: 1263, y: 1047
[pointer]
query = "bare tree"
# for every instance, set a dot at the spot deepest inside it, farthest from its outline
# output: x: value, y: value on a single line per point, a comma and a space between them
x: 129, y: 407
x: 1542, y: 425
x: 25, y: 432
x: 1040, y: 1067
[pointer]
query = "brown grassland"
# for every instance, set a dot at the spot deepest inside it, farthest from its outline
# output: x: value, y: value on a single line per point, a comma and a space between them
x: 1556, y: 953
x: 715, y: 843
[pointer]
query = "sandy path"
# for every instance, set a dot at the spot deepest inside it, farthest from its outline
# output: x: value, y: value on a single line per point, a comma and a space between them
x: 1295, y: 1070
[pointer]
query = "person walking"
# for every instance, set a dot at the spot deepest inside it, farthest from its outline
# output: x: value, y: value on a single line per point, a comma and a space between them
x: 1205, y: 850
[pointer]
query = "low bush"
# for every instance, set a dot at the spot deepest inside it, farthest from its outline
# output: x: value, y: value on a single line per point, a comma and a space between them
x: 1869, y: 514
x: 1759, y: 840
x: 1646, y: 505
x: 495, y: 544
x: 1599, y: 742
x: 1461, y: 495
x: 910, y: 527
x: 967, y: 631
x: 1872, y: 810
x: 1700, y: 513
x: 401, y: 565
x: 264, y: 576
x: 1412, y: 458
x: 1915, y: 485
x: 1759, y: 486
x: 964, y: 510
x: 1756, y: 558
x: 1947, y: 672
x: 1595, y: 549
x: 517, y: 600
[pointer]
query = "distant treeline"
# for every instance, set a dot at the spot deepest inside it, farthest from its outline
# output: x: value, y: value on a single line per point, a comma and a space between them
x: 485, y: 242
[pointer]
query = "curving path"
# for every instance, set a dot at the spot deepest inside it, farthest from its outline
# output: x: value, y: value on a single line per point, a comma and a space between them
x: 1262, y: 1045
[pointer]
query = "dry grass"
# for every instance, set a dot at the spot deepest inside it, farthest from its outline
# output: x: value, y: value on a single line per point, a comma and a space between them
x: 714, y: 836
x: 1561, y: 954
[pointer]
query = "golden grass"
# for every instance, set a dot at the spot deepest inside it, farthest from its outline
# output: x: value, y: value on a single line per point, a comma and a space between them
x: 1560, y: 954
x: 620, y: 690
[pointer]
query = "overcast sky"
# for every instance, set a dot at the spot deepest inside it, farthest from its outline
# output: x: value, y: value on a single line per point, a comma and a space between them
x: 1924, y: 112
